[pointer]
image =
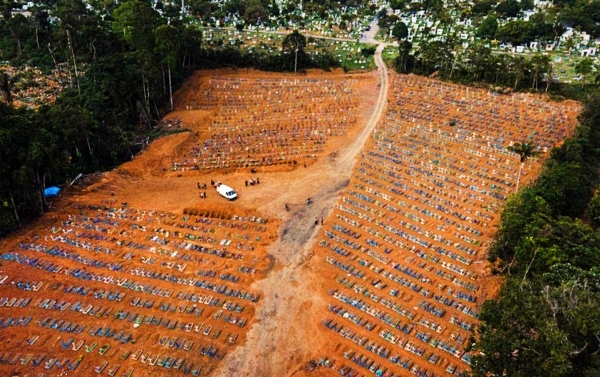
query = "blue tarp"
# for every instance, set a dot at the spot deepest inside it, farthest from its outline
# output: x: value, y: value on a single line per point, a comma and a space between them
x: 51, y: 191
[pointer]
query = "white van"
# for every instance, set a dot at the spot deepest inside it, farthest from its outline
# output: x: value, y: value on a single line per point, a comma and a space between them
x: 226, y: 191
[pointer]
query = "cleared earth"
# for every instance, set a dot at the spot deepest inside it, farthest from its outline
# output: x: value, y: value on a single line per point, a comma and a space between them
x: 384, y: 269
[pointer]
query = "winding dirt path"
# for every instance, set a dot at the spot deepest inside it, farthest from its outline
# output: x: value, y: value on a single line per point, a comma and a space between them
x: 284, y: 335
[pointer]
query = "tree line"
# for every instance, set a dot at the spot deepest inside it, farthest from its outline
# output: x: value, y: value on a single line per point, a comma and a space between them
x: 477, y: 64
x: 474, y: 61
x: 119, y: 65
x: 546, y: 318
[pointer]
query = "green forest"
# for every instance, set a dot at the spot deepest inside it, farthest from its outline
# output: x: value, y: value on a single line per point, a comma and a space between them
x: 118, y: 64
x: 546, y: 319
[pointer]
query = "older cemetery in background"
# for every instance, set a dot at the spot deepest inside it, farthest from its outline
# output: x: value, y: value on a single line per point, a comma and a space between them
x: 338, y: 34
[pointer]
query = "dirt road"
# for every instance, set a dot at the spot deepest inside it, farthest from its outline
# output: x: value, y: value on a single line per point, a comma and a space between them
x: 284, y: 336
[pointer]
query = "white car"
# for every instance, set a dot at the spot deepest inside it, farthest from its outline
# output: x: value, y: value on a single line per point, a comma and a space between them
x: 226, y: 192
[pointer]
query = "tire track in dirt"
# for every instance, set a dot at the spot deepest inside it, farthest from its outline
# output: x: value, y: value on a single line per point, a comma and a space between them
x: 284, y: 334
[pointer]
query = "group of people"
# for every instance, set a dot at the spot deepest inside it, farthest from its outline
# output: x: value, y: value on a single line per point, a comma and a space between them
x: 252, y: 181
x: 201, y: 186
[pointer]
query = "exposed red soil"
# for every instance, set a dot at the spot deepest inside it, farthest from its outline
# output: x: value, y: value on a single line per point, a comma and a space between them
x: 284, y: 334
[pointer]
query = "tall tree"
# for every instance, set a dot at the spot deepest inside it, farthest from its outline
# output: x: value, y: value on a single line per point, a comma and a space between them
x: 404, y: 48
x: 17, y: 25
x: 593, y: 212
x: 400, y: 31
x: 7, y: 84
x: 584, y: 67
x: 294, y: 43
x: 488, y: 27
x: 191, y: 39
x: 539, y: 66
x: 135, y: 21
x: 41, y: 24
x: 480, y: 61
x: 509, y: 8
x: 517, y: 69
x: 255, y: 13
x: 167, y: 44
x: 525, y: 150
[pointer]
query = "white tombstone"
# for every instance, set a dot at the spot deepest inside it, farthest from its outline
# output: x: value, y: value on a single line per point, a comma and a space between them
x: 585, y: 37
x: 588, y: 52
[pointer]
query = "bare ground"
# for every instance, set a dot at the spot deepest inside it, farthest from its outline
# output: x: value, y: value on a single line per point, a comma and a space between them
x: 284, y: 336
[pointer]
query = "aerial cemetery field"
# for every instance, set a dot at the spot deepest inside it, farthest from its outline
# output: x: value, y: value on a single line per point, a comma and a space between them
x: 406, y: 243
x: 146, y: 271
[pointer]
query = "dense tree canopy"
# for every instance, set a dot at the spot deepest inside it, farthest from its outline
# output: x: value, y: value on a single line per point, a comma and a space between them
x: 117, y: 65
x: 508, y: 8
x: 400, y: 31
x: 545, y: 321
x: 488, y: 28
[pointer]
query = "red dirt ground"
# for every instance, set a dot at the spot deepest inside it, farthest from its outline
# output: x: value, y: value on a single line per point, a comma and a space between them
x: 288, y: 253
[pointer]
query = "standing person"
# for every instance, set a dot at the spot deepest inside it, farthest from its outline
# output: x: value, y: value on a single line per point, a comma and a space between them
x: 316, y: 221
x: 321, y: 221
